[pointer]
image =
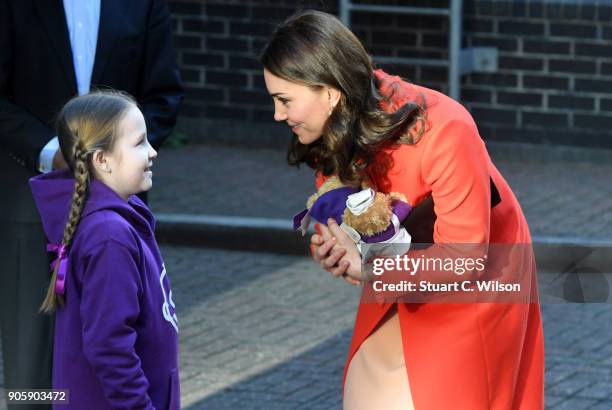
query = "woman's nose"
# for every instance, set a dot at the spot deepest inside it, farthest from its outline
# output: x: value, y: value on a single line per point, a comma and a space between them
x: 279, y: 115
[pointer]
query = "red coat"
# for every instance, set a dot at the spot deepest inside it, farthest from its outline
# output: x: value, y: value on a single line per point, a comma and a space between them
x: 467, y: 356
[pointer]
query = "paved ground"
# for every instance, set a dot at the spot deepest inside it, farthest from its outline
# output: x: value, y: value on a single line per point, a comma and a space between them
x: 269, y: 331
x: 560, y: 198
x: 266, y: 331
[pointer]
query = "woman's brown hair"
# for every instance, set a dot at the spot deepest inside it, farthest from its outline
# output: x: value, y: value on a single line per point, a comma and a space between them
x: 315, y: 49
x: 84, y: 125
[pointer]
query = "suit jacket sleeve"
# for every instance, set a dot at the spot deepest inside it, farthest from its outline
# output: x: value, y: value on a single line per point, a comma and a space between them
x: 21, y: 134
x: 161, y: 90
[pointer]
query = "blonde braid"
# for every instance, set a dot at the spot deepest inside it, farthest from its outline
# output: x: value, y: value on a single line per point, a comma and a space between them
x: 85, y: 124
x: 81, y: 186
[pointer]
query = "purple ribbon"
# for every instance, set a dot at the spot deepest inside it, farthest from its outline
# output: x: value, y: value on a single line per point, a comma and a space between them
x: 298, y: 218
x: 62, y: 259
x: 331, y: 205
x: 401, y: 209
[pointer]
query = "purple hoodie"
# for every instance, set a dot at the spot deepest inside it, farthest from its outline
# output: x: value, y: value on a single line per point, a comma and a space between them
x: 116, y: 338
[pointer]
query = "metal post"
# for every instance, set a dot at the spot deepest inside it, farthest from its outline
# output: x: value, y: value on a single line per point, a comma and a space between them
x: 345, y: 12
x: 454, y: 76
x: 454, y: 36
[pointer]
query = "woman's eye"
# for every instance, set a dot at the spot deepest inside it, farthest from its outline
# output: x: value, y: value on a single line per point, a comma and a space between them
x: 283, y: 101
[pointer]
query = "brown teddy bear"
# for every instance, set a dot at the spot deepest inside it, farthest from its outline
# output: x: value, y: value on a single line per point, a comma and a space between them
x: 368, y: 217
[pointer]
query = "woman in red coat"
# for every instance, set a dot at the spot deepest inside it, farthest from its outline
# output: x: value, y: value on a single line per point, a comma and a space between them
x: 365, y: 125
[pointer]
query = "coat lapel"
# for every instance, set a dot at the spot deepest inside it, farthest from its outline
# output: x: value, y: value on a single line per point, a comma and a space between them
x: 108, y: 31
x: 53, y: 17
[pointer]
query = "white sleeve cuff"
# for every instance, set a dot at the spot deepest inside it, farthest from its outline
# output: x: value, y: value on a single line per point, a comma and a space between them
x: 45, y: 158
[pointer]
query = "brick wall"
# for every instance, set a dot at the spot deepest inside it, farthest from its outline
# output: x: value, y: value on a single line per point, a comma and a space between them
x: 554, y: 83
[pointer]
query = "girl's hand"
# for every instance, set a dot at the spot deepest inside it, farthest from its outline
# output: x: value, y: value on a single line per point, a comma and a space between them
x: 58, y: 160
x: 336, y: 252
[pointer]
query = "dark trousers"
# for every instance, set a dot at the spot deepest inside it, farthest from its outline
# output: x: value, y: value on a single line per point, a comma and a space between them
x: 27, y: 335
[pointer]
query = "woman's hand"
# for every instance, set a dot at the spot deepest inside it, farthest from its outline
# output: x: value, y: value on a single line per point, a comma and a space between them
x: 336, y: 252
x: 58, y: 160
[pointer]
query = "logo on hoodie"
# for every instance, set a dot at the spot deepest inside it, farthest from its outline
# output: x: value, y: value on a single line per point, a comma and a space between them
x: 168, y: 308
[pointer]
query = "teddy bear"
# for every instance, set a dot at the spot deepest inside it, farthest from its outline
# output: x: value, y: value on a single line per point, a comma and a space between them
x: 367, y: 216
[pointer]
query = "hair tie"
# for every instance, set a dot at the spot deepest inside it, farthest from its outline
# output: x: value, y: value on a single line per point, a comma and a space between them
x: 62, y: 259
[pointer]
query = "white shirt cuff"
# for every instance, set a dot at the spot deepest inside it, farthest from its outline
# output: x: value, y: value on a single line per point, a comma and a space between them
x: 45, y: 158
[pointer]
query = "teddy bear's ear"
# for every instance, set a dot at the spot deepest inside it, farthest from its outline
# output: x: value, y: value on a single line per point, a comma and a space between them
x: 333, y: 182
x: 330, y: 184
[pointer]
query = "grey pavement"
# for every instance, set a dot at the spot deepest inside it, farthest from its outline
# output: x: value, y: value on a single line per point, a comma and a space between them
x: 271, y: 331
x: 268, y: 331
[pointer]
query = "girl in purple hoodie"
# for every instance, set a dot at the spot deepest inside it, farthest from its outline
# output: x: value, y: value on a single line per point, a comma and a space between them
x: 116, y: 331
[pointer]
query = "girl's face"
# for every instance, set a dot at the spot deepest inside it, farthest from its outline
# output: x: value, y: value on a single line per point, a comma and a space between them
x: 127, y: 168
x: 304, y: 109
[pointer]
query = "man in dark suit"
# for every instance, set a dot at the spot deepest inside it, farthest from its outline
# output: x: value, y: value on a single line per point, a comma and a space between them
x: 50, y: 51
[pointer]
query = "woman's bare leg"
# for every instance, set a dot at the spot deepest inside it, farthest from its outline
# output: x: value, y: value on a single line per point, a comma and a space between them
x: 377, y: 376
